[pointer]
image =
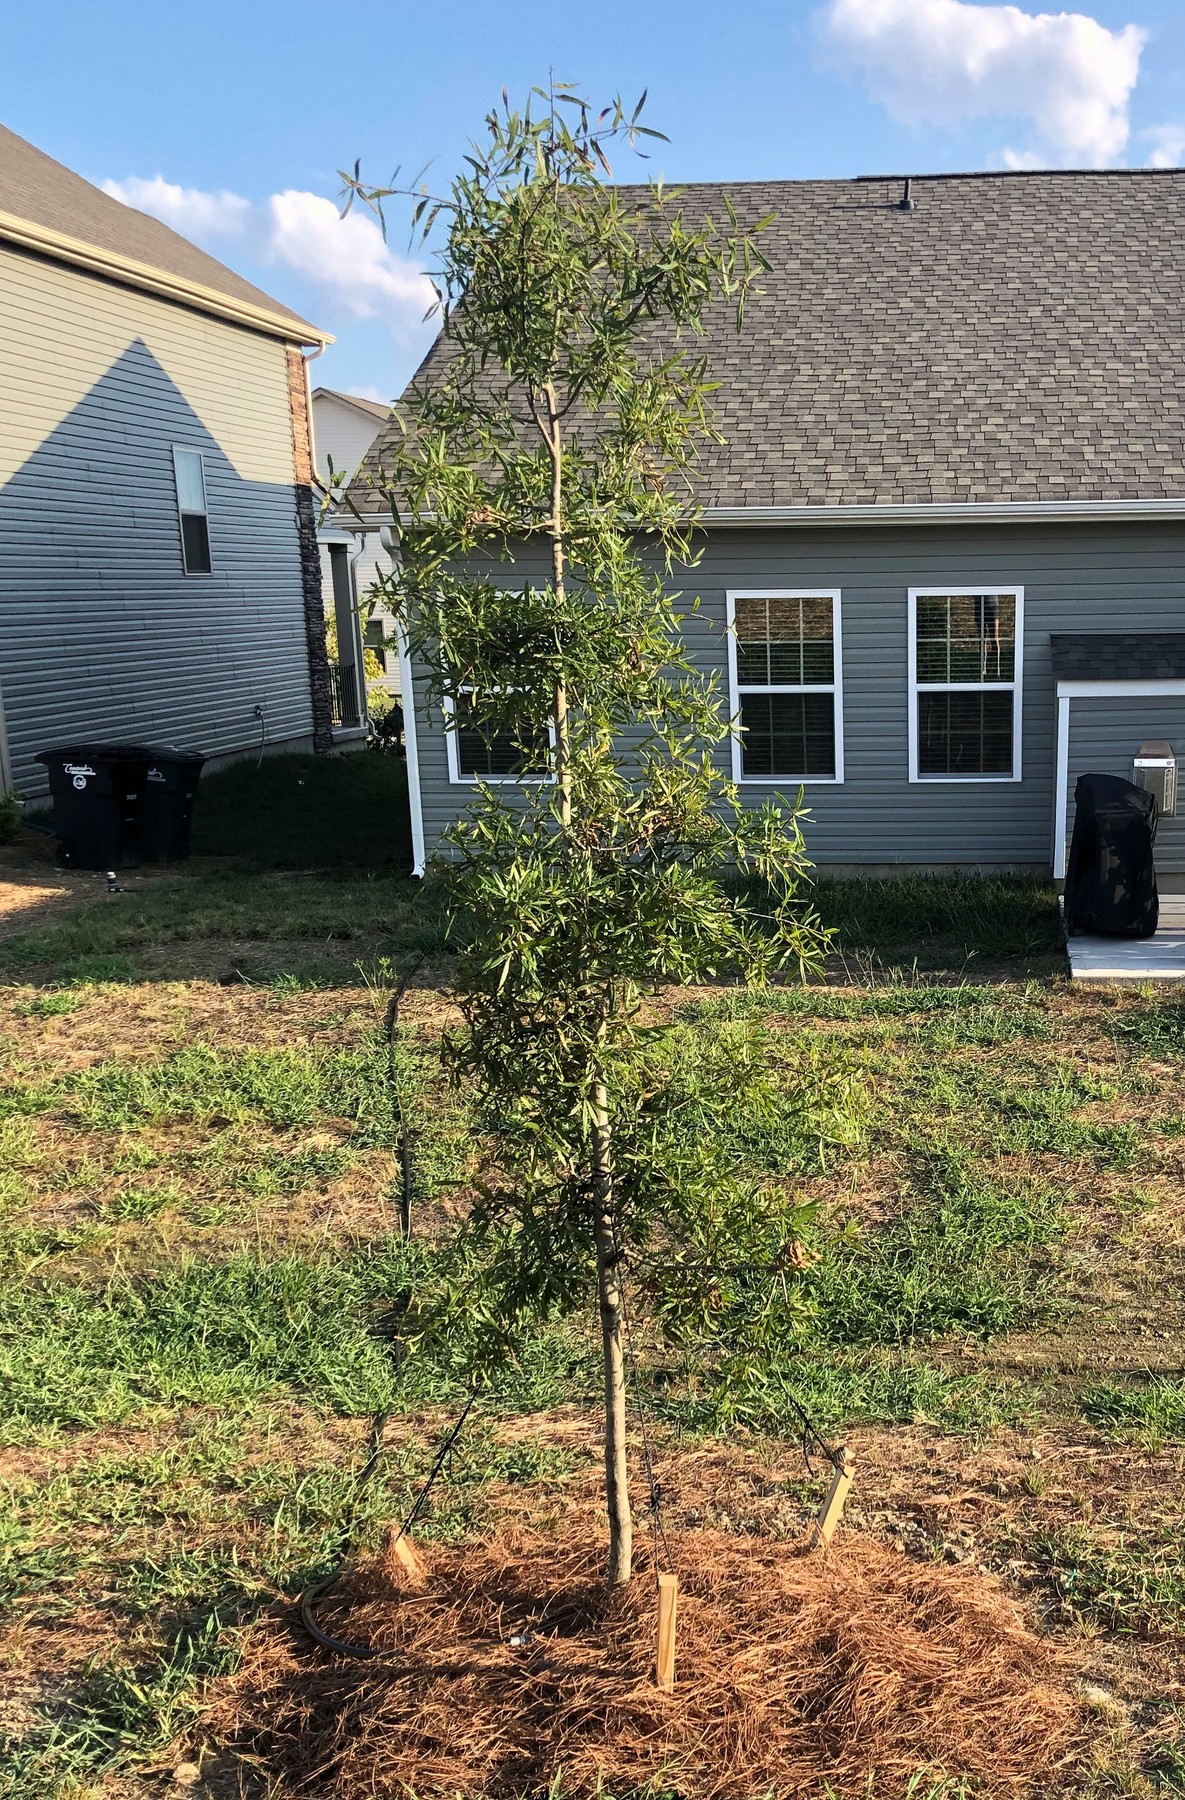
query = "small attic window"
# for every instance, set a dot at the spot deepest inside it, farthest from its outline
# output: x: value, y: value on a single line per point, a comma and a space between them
x: 190, y: 473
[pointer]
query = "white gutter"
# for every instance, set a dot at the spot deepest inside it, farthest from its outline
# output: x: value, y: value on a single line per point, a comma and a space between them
x: 942, y: 512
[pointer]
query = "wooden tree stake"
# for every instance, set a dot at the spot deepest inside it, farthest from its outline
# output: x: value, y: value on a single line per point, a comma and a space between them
x: 401, y: 1549
x: 668, y: 1594
x: 831, y: 1511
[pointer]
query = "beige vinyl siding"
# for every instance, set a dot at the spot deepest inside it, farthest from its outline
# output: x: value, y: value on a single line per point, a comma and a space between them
x: 1075, y: 578
x: 102, y: 634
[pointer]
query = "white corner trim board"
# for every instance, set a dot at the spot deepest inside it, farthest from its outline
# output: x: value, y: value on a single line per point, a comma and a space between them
x: 1103, y: 689
x: 411, y: 746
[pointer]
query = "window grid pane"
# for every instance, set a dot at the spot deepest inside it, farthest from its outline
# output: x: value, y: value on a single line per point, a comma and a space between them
x: 964, y: 733
x: 782, y: 642
x: 489, y: 751
x: 191, y: 485
x: 966, y: 638
x: 790, y: 736
x: 195, y: 543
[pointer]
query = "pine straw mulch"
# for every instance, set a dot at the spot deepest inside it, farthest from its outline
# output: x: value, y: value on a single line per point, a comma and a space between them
x: 797, y: 1671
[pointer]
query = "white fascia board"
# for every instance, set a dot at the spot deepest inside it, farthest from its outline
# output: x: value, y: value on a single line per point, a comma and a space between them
x: 947, y: 512
x: 1107, y: 689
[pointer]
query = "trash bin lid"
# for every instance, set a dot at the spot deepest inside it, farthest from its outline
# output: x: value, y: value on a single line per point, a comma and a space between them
x: 122, y: 753
x: 172, y: 753
x: 104, y: 752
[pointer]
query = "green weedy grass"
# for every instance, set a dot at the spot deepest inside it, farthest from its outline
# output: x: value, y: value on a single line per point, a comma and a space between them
x: 307, y: 812
x: 1125, y: 1583
x: 1156, y: 1409
x: 124, y: 1714
x: 221, y: 1334
x: 890, y: 1000
x: 965, y: 1256
x: 279, y: 1087
x: 231, y: 1333
x: 976, y: 915
x: 226, y: 904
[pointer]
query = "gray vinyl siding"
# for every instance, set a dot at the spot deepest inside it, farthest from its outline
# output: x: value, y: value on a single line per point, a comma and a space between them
x: 102, y: 634
x: 1075, y: 577
x: 1105, y: 734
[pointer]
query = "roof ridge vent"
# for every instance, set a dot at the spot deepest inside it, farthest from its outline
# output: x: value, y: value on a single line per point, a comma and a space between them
x: 906, y: 202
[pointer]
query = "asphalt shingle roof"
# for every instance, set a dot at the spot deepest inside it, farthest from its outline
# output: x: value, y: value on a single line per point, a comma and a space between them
x: 377, y: 409
x: 35, y: 188
x: 1118, y: 655
x: 1012, y: 338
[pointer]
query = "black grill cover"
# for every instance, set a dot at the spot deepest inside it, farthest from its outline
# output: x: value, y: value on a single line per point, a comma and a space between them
x: 1110, y: 879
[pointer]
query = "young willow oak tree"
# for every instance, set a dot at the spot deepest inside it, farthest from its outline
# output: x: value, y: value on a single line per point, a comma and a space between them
x: 542, y: 493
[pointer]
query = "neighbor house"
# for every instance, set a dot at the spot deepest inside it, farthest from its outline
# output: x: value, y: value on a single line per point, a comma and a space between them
x: 365, y: 667
x: 944, y: 554
x: 159, y: 575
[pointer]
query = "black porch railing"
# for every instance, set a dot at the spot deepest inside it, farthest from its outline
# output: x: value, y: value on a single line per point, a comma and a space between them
x: 343, y: 683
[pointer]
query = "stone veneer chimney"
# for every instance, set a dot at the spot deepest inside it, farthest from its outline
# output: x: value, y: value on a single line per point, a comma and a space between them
x: 310, y: 555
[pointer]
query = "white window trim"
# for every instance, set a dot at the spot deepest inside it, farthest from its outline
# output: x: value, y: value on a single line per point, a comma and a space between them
x: 968, y: 687
x: 833, y: 687
x: 457, y: 779
x: 192, y: 450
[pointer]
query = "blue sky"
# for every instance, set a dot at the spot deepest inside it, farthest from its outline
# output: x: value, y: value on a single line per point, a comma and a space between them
x: 231, y: 119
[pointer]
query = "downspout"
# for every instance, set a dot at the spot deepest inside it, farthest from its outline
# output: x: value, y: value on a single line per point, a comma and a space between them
x: 5, y: 759
x: 358, y: 634
x: 322, y: 710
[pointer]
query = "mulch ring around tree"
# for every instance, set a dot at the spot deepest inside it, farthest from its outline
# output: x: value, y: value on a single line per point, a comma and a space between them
x: 798, y: 1672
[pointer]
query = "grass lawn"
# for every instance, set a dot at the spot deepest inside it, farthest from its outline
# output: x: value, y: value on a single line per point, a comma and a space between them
x: 198, y: 1241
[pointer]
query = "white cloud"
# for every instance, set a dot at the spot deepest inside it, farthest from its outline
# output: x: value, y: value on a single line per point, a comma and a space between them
x: 368, y: 393
x: 189, y: 210
x: 346, y: 258
x: 1168, y: 146
x: 942, y: 62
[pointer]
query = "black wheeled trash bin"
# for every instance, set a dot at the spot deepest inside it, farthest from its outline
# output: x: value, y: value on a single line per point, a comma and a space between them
x: 1110, y: 876
x: 166, y: 810
x: 96, y: 791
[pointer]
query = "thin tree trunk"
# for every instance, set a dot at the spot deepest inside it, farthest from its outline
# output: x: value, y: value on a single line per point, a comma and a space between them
x: 617, y: 1499
x: 563, y: 765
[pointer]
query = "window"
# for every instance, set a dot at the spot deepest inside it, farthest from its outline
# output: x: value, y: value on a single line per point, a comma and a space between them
x: 785, y: 669
x: 492, y: 750
x: 191, y: 504
x: 375, y: 641
x: 965, y: 652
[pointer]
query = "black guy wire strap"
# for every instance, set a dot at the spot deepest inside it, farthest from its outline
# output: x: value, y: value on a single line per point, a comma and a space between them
x: 378, y: 1436
x: 809, y: 1434
x: 406, y: 1165
x: 365, y: 1651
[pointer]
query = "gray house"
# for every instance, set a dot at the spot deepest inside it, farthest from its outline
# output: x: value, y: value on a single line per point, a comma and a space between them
x: 344, y: 428
x: 158, y: 558
x: 945, y: 555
